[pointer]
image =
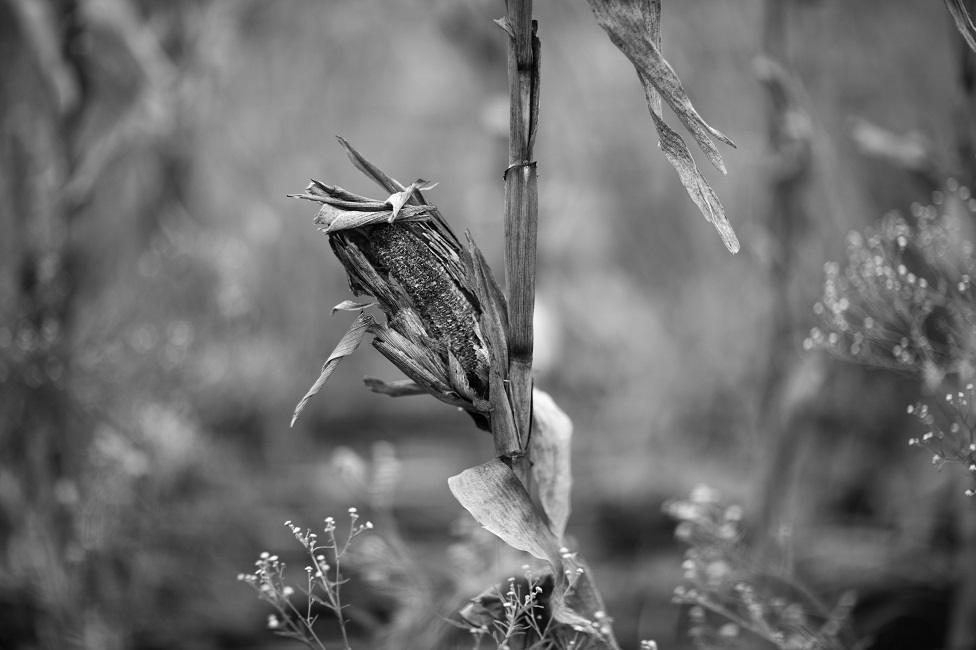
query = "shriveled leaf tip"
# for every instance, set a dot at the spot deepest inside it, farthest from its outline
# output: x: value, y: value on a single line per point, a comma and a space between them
x: 352, y: 305
x: 346, y: 346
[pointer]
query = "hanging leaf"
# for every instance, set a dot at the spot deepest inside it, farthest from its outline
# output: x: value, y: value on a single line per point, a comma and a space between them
x: 964, y: 22
x: 495, y: 497
x: 634, y: 27
x: 346, y: 346
x: 698, y: 188
x: 552, y: 433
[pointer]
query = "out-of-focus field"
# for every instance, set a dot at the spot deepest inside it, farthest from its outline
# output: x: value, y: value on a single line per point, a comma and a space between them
x: 202, y: 301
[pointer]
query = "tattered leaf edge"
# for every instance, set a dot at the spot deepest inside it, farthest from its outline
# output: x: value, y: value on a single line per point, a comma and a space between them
x: 346, y: 346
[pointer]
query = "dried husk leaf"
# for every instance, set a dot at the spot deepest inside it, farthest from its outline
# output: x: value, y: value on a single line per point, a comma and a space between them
x: 398, y: 199
x: 402, y: 253
x: 494, y: 311
x: 336, y: 219
x: 415, y: 361
x: 352, y: 305
x: 395, y: 388
x: 383, y: 179
x: 346, y: 346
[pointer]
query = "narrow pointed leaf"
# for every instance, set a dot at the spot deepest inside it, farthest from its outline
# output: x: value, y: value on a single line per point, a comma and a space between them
x: 494, y: 318
x: 634, y: 27
x: 346, y: 346
x: 964, y: 22
x: 383, y: 179
x: 698, y: 188
x: 627, y: 24
x: 495, y: 497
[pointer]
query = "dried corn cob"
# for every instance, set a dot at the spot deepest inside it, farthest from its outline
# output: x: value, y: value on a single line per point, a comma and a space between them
x: 446, y: 322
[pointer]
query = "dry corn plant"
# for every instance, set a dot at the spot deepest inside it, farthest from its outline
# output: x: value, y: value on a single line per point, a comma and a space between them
x: 450, y: 328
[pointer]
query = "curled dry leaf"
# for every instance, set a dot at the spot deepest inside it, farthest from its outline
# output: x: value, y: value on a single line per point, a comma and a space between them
x: 634, y: 27
x: 398, y: 199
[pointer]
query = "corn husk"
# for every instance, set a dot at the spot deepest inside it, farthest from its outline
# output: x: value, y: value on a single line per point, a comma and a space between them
x: 446, y: 317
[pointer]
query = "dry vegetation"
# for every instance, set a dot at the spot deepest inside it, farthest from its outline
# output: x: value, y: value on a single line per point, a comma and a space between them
x: 163, y: 304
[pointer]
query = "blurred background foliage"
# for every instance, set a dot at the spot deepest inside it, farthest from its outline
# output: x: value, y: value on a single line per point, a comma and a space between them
x: 163, y: 305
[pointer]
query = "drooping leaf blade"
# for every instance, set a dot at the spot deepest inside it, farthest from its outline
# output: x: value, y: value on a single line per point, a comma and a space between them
x: 702, y: 195
x: 627, y: 24
x: 964, y: 22
x: 346, y: 346
x: 495, y: 497
x: 634, y: 27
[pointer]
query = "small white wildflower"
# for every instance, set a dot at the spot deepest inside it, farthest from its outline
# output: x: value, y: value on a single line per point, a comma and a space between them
x: 273, y: 622
x: 729, y: 630
x: 684, y: 531
x: 704, y: 494
x: 368, y: 525
x: 287, y: 591
x: 264, y: 555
